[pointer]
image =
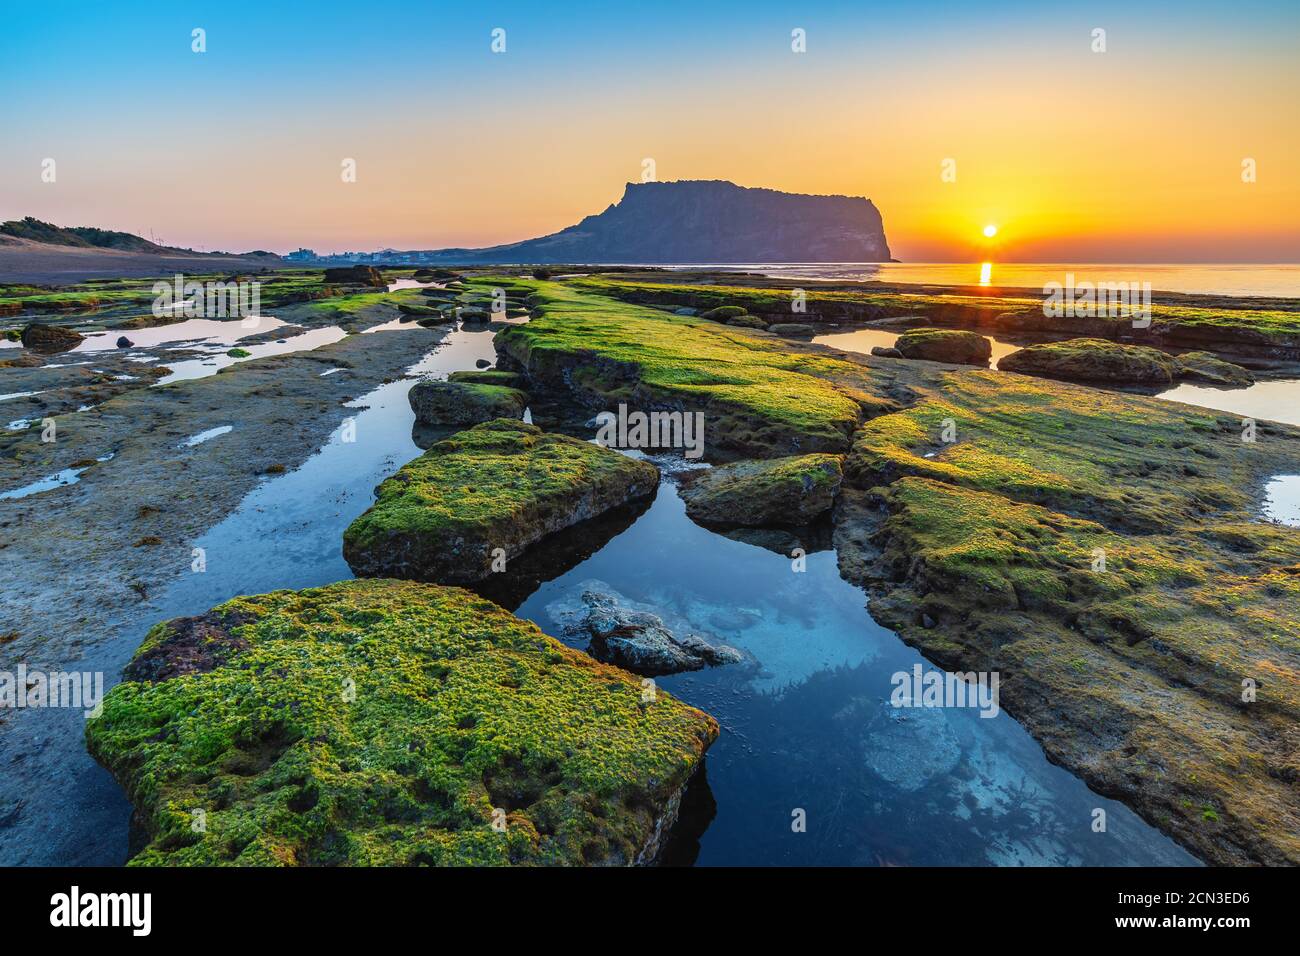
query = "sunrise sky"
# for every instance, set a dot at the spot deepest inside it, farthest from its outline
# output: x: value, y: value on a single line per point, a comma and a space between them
x: 1130, y: 155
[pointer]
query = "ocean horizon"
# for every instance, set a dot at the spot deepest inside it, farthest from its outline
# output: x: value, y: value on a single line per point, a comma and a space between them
x: 1233, y: 279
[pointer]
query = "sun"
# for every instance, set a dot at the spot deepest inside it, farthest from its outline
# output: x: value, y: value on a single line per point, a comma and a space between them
x: 990, y: 231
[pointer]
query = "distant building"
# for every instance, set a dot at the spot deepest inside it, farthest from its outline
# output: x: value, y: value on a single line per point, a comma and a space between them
x: 302, y: 255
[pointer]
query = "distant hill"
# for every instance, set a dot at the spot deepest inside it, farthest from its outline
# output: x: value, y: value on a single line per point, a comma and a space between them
x: 81, y: 236
x: 36, y: 251
x: 89, y: 237
x: 707, y: 221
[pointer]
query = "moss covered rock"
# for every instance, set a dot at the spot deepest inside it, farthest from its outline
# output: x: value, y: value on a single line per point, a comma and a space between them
x: 945, y: 345
x: 423, y: 311
x: 464, y: 403
x: 758, y: 397
x: 372, y: 723
x: 502, y: 485
x: 747, y: 322
x: 1207, y: 367
x: 723, y: 312
x: 794, y: 329
x: 781, y: 491
x: 489, y: 376
x: 1093, y: 360
x: 1103, y: 553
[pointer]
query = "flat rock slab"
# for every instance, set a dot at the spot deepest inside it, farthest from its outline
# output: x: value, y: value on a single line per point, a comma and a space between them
x: 1207, y: 367
x: 1093, y: 360
x: 464, y: 403
x: 389, y: 723
x: 484, y: 495
x: 783, y: 491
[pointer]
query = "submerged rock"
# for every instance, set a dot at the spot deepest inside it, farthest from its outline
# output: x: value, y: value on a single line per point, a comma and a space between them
x: 635, y: 639
x: 781, y: 491
x: 1207, y: 367
x: 1092, y: 360
x: 50, y: 339
x: 464, y: 403
x: 910, y: 746
x: 483, y: 496
x: 388, y: 723
x: 954, y: 346
x: 363, y: 275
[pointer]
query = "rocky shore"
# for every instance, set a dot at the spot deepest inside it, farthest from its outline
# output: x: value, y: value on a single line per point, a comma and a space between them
x: 1103, y: 552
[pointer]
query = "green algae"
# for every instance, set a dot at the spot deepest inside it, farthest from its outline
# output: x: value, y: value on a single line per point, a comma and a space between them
x: 382, y: 723
x: 982, y: 309
x: 1103, y: 552
x: 758, y: 397
x: 778, y: 491
x: 500, y: 485
x: 488, y: 377
x: 1090, y: 359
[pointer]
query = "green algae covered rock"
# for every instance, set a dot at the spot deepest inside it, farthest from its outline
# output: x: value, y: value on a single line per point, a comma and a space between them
x: 1103, y: 552
x: 759, y: 398
x: 945, y: 345
x: 502, y: 485
x: 1207, y: 367
x: 423, y: 311
x: 464, y: 403
x: 1093, y: 360
x: 747, y: 322
x: 781, y: 491
x: 723, y: 312
x: 372, y: 723
x: 488, y: 376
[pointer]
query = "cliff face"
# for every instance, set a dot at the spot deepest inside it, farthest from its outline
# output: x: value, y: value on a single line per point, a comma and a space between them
x: 708, y: 222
